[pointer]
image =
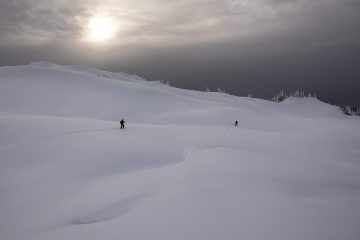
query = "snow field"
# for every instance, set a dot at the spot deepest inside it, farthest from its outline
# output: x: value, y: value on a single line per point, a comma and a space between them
x: 180, y: 169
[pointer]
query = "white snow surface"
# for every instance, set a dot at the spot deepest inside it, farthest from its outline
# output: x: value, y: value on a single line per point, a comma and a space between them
x: 180, y: 170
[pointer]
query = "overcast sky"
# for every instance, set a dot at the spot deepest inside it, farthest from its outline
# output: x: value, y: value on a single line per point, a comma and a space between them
x: 245, y: 47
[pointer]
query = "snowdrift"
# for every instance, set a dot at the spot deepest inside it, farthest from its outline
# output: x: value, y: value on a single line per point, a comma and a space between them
x: 180, y: 169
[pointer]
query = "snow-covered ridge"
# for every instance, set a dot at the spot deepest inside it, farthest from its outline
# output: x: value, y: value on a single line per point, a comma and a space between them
x: 89, y: 70
x: 79, y: 91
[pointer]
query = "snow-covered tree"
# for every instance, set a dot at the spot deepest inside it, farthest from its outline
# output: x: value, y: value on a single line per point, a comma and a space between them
x: 220, y: 90
x: 281, y: 96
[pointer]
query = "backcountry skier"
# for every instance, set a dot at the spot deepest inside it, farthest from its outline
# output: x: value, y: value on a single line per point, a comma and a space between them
x: 122, y: 123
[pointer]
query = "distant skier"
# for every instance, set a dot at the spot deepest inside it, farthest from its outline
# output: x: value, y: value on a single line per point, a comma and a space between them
x: 236, y: 123
x: 122, y: 124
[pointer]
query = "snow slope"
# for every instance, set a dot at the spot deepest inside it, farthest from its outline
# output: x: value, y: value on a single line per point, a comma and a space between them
x: 180, y: 170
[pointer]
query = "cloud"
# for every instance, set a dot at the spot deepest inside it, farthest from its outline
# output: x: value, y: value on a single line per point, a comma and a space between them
x: 39, y: 18
x: 177, y: 21
x: 247, y: 46
x: 208, y: 20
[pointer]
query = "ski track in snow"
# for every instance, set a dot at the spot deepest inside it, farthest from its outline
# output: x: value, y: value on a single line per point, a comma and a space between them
x: 112, y: 211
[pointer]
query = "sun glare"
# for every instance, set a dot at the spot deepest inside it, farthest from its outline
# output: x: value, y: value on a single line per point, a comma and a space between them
x: 101, y: 29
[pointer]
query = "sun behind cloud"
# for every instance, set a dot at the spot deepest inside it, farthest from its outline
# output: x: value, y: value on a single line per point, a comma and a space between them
x: 101, y: 29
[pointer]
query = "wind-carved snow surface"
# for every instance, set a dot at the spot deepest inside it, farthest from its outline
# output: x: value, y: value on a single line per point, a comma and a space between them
x: 180, y: 169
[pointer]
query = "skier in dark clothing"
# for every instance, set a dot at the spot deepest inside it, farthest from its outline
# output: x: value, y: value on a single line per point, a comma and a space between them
x: 236, y: 123
x: 122, y: 123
